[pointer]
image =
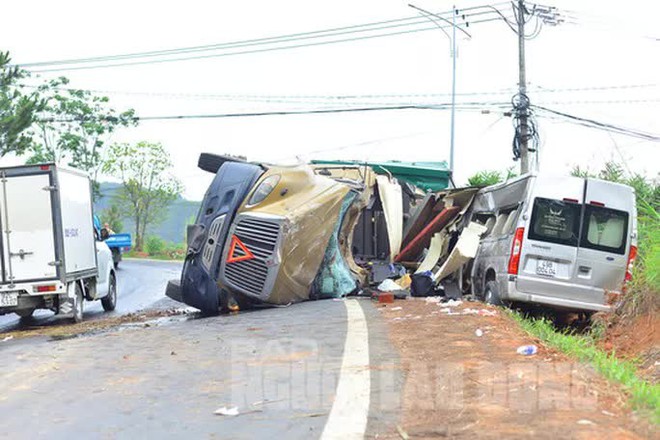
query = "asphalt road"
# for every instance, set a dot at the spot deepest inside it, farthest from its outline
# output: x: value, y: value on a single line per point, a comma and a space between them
x: 311, y: 370
x: 141, y: 285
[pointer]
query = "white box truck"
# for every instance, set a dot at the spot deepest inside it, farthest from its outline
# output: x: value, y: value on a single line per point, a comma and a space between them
x: 51, y: 254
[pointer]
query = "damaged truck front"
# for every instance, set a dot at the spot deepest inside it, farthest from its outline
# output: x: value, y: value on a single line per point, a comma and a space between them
x: 272, y: 235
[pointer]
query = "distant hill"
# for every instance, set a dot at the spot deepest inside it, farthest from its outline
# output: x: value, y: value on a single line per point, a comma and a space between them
x: 173, y: 226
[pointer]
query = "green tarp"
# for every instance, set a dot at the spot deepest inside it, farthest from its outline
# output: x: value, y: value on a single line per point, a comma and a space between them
x: 429, y: 176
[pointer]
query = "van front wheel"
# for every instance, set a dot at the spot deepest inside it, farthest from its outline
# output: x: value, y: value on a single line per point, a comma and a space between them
x: 492, y: 294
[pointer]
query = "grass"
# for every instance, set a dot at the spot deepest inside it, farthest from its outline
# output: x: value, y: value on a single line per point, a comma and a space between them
x: 644, y: 396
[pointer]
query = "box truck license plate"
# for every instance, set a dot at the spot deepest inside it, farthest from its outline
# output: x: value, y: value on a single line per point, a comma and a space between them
x: 8, y: 299
x: 546, y: 267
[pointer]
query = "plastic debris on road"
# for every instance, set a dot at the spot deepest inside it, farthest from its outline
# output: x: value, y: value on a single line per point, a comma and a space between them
x: 388, y: 285
x: 451, y: 303
x: 527, y: 350
x: 479, y: 333
x: 227, y: 411
x: 7, y: 338
x: 395, y: 308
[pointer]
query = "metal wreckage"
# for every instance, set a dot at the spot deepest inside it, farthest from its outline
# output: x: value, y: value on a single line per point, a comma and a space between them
x: 275, y: 235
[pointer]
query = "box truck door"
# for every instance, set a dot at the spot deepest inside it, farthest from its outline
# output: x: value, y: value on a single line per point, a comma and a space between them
x: 28, y: 240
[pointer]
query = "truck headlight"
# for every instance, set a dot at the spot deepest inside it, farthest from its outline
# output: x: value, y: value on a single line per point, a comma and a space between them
x: 264, y: 188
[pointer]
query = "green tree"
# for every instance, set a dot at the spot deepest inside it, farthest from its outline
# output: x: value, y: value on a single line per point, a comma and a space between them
x: 17, y: 109
x: 112, y: 216
x: 74, y: 127
x: 148, y: 187
x: 485, y: 178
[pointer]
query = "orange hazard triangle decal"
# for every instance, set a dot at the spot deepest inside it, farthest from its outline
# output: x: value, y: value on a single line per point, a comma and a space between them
x: 233, y: 257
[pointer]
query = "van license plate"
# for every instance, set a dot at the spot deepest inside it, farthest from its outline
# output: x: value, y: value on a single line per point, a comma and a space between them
x: 546, y: 267
x: 8, y: 299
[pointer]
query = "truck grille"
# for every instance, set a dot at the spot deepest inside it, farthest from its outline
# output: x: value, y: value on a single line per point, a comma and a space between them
x: 260, y: 236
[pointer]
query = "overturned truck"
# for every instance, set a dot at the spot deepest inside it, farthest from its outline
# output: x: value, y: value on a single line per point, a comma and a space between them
x: 281, y: 234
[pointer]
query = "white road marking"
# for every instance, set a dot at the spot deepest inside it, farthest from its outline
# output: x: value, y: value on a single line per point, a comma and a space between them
x: 348, y: 417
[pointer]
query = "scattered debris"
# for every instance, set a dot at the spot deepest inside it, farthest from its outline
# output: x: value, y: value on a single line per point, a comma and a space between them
x: 403, y: 434
x: 451, y: 303
x: 585, y: 422
x: 527, y: 350
x: 404, y: 282
x: 384, y: 297
x: 227, y: 411
x: 388, y: 285
x: 479, y: 333
x: 395, y: 308
x: 7, y: 338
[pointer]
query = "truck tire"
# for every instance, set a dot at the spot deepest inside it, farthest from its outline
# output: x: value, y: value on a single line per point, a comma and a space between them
x: 78, y: 305
x: 492, y: 294
x: 109, y: 302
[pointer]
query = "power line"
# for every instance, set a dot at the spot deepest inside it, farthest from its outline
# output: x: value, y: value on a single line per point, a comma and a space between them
x: 587, y: 122
x: 407, y: 21
x: 370, y: 96
x: 252, y: 51
x: 465, y: 106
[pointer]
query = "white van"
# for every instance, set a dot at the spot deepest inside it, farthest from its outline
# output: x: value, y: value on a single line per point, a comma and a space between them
x: 564, y: 242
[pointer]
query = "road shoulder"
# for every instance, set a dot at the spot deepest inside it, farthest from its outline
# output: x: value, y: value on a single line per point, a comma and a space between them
x: 460, y: 384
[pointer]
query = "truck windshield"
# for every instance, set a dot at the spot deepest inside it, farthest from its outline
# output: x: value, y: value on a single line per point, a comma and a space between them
x: 555, y: 221
x: 604, y: 229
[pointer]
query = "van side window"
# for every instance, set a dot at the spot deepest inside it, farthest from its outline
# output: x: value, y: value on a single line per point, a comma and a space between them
x: 499, y: 224
x: 555, y: 221
x: 510, y: 222
x: 604, y: 229
x: 486, y: 219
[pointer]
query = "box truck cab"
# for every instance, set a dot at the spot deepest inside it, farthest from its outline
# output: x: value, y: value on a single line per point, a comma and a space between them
x: 51, y: 257
x: 564, y: 242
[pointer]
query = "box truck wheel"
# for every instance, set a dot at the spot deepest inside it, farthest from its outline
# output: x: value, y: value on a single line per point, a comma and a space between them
x: 492, y: 294
x: 25, y: 314
x: 78, y: 304
x: 109, y: 302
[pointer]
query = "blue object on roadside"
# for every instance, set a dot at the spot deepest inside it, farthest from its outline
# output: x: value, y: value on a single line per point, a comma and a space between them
x: 527, y: 350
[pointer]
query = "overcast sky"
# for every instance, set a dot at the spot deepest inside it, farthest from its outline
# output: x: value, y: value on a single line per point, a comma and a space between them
x: 612, y: 48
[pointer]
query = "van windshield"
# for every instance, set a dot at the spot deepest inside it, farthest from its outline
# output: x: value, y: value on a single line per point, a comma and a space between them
x: 604, y: 229
x: 555, y: 221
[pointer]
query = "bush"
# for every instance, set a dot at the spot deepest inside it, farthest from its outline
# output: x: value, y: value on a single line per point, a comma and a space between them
x: 154, y: 245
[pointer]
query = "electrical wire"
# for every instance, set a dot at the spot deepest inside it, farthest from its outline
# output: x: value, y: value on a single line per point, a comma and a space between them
x: 277, y: 113
x: 252, y: 51
x: 241, y: 43
x: 587, y: 122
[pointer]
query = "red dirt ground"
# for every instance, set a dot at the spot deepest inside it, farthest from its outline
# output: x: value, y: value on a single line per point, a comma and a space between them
x: 637, y: 339
x: 460, y: 385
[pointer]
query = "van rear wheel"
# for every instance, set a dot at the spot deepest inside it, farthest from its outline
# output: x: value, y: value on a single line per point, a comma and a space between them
x: 492, y: 294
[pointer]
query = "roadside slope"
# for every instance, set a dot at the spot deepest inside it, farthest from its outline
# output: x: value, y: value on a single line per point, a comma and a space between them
x: 462, y: 385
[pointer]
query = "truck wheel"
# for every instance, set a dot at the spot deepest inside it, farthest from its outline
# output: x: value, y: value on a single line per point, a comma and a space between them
x: 109, y: 302
x: 492, y: 294
x: 78, y: 305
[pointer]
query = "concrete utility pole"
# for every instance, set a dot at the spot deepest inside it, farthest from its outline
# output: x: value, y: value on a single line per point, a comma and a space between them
x: 522, y: 89
x: 454, y: 54
x: 453, y: 92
